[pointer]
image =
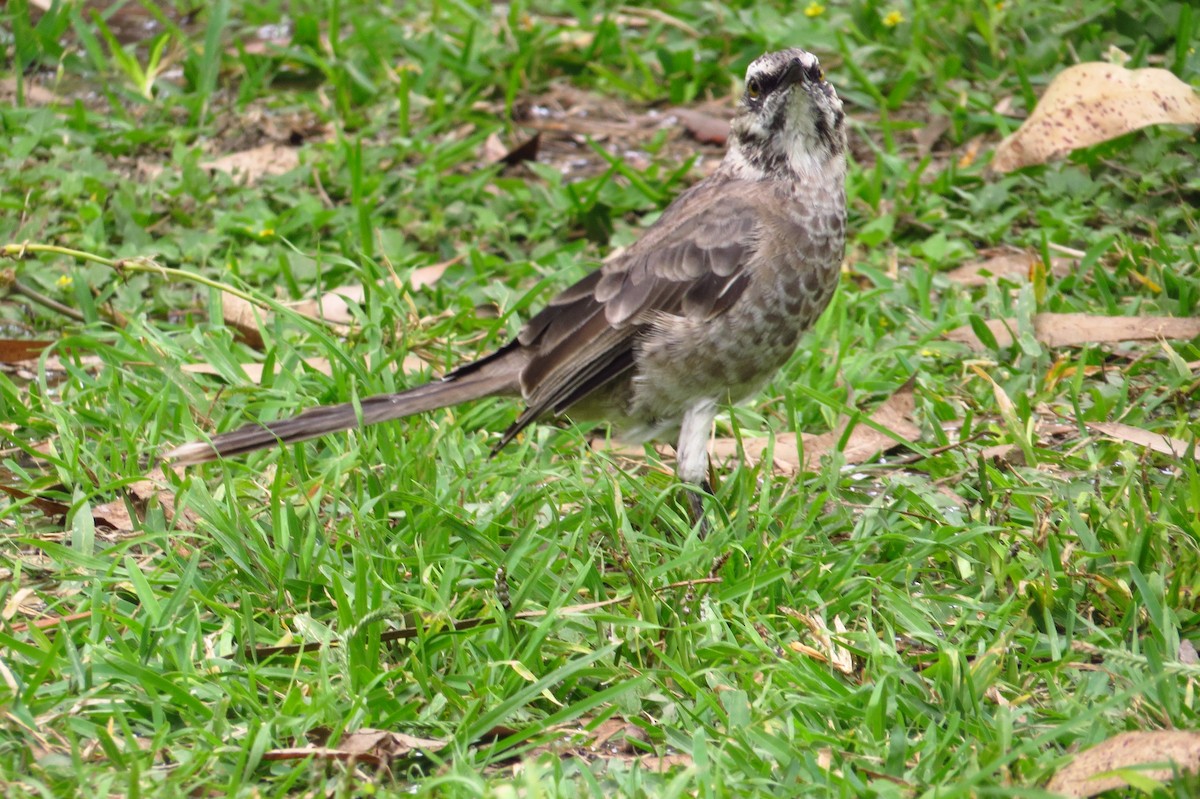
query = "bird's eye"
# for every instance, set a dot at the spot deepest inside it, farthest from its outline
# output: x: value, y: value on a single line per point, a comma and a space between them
x: 815, y: 73
x: 753, y: 88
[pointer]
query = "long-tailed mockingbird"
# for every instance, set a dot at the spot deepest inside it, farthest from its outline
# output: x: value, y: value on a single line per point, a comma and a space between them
x: 700, y: 311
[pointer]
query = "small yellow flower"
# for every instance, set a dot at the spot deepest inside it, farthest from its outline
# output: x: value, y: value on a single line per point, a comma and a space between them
x: 64, y: 282
x: 266, y: 233
x: 893, y: 18
x: 814, y: 9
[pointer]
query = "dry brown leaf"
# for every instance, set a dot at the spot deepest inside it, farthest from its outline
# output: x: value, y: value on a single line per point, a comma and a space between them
x: 428, y: 275
x: 704, y: 128
x: 1090, y: 103
x: 333, y: 307
x: 254, y: 371
x: 244, y: 317
x: 1086, y: 774
x: 152, y: 489
x: 113, y: 516
x: 376, y: 747
x: 661, y: 763
x: 526, y: 150
x: 493, y: 149
x: 15, y: 350
x: 864, y: 443
x: 34, y: 94
x: 1011, y: 264
x: 1077, y: 329
x: 928, y: 135
x: 1167, y: 445
x: 50, y: 507
x: 251, y: 165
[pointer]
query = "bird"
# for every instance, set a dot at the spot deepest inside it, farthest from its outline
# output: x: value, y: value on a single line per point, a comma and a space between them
x: 698, y: 313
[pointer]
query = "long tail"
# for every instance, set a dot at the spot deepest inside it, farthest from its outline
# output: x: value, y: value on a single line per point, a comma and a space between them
x: 461, y: 386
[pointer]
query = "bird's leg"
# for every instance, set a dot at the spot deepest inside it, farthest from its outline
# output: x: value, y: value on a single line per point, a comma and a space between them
x: 691, y: 455
x: 696, y: 506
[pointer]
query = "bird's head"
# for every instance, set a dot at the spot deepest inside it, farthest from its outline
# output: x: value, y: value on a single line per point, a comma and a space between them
x: 790, y: 122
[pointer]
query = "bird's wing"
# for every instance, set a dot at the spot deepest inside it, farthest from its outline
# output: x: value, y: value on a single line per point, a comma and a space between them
x: 691, y: 262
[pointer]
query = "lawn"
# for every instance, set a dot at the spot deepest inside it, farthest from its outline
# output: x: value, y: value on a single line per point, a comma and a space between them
x: 985, y: 560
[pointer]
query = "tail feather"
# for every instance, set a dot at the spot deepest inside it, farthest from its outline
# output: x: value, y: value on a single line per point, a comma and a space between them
x: 335, y: 418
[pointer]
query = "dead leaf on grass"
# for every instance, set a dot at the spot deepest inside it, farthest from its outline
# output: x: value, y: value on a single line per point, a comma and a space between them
x: 428, y: 275
x: 1010, y: 264
x: 865, y: 442
x: 254, y: 371
x: 1090, y: 772
x: 15, y: 350
x: 1077, y: 329
x: 245, y: 318
x: 1164, y: 444
x: 1090, y: 103
x: 494, y: 152
x: 375, y: 747
x: 34, y: 94
x: 612, y: 739
x: 928, y: 135
x: 332, y: 308
x: 251, y: 165
x: 704, y: 128
x: 152, y: 490
x: 49, y: 507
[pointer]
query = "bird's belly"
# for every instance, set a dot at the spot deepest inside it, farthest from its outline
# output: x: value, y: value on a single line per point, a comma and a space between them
x: 728, y: 358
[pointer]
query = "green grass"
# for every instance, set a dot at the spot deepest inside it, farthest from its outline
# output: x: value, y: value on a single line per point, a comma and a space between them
x: 1001, y: 612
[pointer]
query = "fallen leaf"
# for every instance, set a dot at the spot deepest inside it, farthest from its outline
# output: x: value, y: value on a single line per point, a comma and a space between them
x: 1090, y: 772
x: 332, y: 307
x: 612, y: 739
x: 244, y: 317
x: 375, y: 747
x: 153, y: 489
x: 1090, y: 103
x: 704, y: 128
x: 251, y: 165
x: 15, y: 350
x: 1167, y: 445
x: 525, y: 151
x: 1077, y: 329
x: 928, y: 135
x: 113, y: 516
x: 493, y: 149
x: 865, y: 442
x: 50, y: 507
x: 428, y: 275
x: 1011, y: 264
x: 254, y: 371
x: 34, y: 94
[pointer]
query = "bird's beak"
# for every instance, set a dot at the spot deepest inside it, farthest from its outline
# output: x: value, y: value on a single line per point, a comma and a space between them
x: 794, y: 74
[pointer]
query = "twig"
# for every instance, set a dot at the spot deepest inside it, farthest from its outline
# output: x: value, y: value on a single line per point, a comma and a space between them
x: 41, y: 299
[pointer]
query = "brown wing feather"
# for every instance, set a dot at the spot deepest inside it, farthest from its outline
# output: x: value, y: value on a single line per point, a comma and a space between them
x: 691, y: 262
